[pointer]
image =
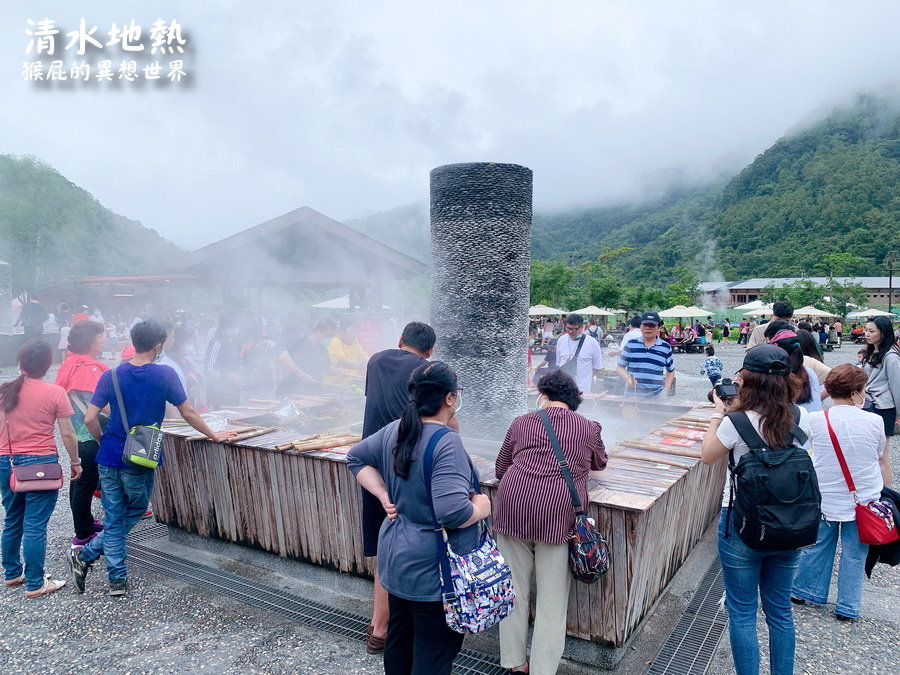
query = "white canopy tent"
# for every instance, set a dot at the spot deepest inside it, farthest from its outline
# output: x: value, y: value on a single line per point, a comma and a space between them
x: 543, y: 310
x: 809, y: 310
x: 866, y: 313
x: 756, y: 306
x: 592, y: 310
x: 682, y: 312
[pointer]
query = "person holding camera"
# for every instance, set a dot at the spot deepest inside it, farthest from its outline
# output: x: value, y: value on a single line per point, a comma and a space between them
x: 766, y: 395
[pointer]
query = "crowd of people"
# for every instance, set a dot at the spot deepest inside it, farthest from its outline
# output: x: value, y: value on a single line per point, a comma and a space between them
x: 411, y: 402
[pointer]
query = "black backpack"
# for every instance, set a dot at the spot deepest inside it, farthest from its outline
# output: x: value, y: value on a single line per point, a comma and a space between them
x: 778, y: 504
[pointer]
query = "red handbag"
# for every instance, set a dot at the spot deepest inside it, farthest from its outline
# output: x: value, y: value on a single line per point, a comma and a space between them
x: 33, y: 477
x: 873, y: 520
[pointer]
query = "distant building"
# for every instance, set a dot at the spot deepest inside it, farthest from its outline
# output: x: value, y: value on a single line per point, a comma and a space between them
x: 741, y: 292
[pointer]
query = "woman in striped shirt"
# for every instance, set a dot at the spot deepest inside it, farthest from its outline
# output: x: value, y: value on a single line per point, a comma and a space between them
x: 533, y: 517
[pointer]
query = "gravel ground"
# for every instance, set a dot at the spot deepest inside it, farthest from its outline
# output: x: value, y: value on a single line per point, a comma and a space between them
x: 169, y: 626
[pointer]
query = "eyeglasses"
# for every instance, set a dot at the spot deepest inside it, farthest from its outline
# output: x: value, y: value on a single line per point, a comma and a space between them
x: 459, y: 391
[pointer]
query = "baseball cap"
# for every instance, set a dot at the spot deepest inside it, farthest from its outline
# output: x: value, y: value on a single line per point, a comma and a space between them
x: 651, y: 317
x: 768, y: 359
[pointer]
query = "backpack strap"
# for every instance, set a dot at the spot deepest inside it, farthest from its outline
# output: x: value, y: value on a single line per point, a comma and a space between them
x: 754, y: 441
x: 427, y: 469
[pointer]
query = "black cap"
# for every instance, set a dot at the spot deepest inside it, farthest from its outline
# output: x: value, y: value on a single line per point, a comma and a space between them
x: 768, y: 359
x: 651, y: 317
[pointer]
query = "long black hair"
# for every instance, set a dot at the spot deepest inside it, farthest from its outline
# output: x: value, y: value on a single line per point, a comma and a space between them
x: 428, y: 387
x: 875, y: 353
x: 35, y: 358
x: 809, y: 345
x: 798, y: 373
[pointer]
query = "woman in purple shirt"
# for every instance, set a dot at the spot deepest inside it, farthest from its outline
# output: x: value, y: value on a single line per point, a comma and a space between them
x: 534, y: 517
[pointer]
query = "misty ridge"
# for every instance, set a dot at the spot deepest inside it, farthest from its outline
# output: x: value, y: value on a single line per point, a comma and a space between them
x: 828, y: 186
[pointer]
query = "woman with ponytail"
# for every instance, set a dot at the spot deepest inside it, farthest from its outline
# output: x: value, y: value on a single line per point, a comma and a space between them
x: 29, y: 408
x: 389, y: 465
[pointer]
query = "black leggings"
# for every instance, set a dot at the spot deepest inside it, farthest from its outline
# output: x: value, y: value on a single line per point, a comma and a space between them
x: 418, y: 639
x: 81, y: 491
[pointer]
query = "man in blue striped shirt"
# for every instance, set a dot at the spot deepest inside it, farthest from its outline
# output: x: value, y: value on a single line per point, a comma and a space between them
x: 646, y: 363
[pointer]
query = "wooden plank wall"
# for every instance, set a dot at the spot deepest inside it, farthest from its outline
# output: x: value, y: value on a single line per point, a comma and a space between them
x: 306, y: 506
x: 303, y: 506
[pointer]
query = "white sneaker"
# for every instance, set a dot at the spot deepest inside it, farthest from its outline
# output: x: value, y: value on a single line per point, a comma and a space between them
x: 50, y: 586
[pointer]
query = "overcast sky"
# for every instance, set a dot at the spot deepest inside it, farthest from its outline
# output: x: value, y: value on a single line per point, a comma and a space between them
x: 346, y: 106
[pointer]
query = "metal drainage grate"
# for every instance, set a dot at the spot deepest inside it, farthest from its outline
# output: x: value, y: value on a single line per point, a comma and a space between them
x: 266, y: 597
x: 692, y: 643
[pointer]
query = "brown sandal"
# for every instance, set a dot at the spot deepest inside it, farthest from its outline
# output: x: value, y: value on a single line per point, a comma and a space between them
x: 374, y: 645
x: 15, y: 582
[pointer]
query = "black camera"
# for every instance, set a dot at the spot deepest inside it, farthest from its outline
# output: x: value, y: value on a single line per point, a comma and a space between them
x: 726, y: 389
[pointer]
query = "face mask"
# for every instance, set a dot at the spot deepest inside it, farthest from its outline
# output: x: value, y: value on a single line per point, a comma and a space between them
x: 538, y: 405
x: 158, y: 356
x: 458, y: 403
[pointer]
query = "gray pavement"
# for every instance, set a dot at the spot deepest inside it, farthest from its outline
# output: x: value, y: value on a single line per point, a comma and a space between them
x: 166, y: 626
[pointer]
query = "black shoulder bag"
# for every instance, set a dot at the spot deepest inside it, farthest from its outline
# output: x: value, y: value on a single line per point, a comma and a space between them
x: 588, y: 550
x: 570, y: 367
x: 143, y: 444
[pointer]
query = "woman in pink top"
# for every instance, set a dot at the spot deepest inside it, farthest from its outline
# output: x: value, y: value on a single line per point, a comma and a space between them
x: 534, y: 516
x: 29, y: 408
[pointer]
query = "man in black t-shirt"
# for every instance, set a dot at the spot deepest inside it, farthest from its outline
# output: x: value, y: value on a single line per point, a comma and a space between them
x: 387, y: 394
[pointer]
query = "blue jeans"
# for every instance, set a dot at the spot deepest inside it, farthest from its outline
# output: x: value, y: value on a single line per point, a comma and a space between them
x: 817, y: 562
x: 25, y: 524
x: 125, y: 494
x: 749, y: 575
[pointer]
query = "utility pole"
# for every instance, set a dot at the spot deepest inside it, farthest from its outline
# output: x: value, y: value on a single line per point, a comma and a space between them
x: 889, y: 265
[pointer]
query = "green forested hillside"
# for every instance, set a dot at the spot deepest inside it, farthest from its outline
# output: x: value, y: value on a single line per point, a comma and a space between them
x: 831, y: 188
x: 50, y: 229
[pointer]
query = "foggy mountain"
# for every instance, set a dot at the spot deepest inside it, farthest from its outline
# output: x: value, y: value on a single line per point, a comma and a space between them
x: 51, y: 229
x: 831, y: 187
